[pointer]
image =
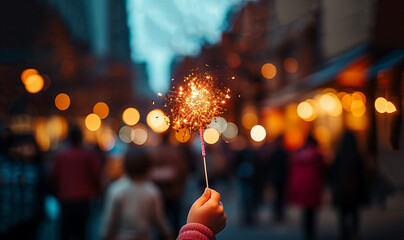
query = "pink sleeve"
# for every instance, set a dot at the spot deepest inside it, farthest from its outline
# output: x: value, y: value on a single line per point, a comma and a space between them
x: 196, y: 231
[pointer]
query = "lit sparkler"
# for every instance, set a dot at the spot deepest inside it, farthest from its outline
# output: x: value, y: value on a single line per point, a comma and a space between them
x: 195, y: 103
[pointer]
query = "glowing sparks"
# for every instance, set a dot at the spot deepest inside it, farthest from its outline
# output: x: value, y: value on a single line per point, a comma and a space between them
x: 194, y: 104
x: 159, y: 94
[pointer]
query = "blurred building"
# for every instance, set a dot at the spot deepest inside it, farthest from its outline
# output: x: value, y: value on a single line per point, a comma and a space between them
x: 318, y: 68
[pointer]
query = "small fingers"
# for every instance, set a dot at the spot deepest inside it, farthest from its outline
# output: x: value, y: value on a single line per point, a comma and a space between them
x: 204, y: 198
x: 215, y: 196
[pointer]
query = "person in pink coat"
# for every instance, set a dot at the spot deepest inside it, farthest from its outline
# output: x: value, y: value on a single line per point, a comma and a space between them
x: 206, y: 218
x: 306, y: 183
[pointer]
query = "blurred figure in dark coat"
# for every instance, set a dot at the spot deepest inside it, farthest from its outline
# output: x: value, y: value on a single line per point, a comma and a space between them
x: 348, y: 185
x: 278, y: 169
x: 22, y: 188
x: 247, y: 168
x: 75, y: 176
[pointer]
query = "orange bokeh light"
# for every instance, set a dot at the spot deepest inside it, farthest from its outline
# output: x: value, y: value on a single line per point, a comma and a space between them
x: 62, y: 101
x: 268, y: 71
x: 131, y: 116
x: 101, y: 109
x: 233, y: 60
x: 34, y: 83
x: 93, y: 122
x: 27, y: 73
x: 291, y: 65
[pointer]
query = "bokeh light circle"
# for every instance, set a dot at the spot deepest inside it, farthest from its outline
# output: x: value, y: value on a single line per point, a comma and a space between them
x: 34, y: 83
x: 218, y: 123
x: 62, y: 101
x: 101, y: 109
x: 27, y: 73
x: 157, y: 121
x: 211, y: 136
x: 291, y: 65
x: 231, y: 131
x: 390, y: 107
x: 268, y: 71
x: 305, y: 110
x: 381, y: 105
x: 258, y: 133
x: 126, y: 134
x: 182, y: 135
x: 93, y: 122
x: 140, y: 133
x: 130, y: 116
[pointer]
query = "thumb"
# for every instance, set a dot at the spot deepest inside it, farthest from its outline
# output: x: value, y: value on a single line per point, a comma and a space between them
x: 204, y: 198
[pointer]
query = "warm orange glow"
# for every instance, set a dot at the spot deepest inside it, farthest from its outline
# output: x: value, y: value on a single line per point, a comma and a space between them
x: 34, y: 83
x: 355, y: 75
x: 211, y: 136
x: 293, y: 139
x: 106, y: 141
x: 157, y: 121
x: 331, y: 104
x: 131, y: 116
x: 346, y: 102
x: 356, y: 123
x: 258, y: 133
x: 306, y: 110
x: 93, y: 122
x: 182, y: 135
x: 291, y: 112
x: 381, y: 105
x: 323, y: 135
x: 249, y: 120
x: 390, y: 107
x: 274, y: 122
x: 268, y: 71
x: 101, y: 109
x: 27, y: 73
x: 359, y: 96
x: 358, y: 108
x: 291, y: 65
x: 62, y: 101
x: 233, y: 60
x: 41, y: 132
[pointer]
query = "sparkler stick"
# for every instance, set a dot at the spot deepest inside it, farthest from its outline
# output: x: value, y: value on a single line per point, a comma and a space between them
x: 204, y: 156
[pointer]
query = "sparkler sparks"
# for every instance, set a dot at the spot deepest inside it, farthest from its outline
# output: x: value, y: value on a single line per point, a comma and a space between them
x: 197, y: 101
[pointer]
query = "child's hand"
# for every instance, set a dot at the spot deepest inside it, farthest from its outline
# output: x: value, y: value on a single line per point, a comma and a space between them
x: 208, y: 210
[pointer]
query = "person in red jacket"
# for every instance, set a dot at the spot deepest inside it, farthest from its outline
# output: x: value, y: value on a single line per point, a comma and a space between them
x: 75, y: 176
x: 306, y: 183
x: 206, y: 218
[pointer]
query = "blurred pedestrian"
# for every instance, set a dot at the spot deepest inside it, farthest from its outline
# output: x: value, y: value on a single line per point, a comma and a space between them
x: 134, y: 205
x: 278, y: 169
x: 24, y: 190
x: 306, y: 183
x: 247, y: 168
x: 169, y: 172
x: 348, y: 186
x: 75, y: 175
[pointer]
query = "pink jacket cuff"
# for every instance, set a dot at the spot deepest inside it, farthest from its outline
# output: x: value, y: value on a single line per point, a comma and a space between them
x: 196, y: 231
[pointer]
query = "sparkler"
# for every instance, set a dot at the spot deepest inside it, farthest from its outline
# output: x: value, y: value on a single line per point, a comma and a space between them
x: 195, y: 103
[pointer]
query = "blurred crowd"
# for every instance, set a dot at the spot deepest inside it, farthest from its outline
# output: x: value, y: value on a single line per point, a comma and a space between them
x: 149, y: 192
